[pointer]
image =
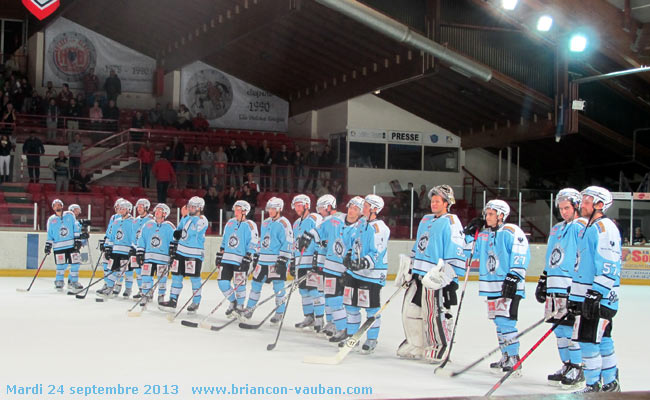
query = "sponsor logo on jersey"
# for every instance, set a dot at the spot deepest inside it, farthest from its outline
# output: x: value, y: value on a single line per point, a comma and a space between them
x: 119, y: 235
x: 556, y: 258
x: 492, y: 263
x: 266, y: 242
x: 233, y: 241
x: 423, y: 242
x: 155, y: 241
x: 338, y: 248
x: 613, y: 297
x: 184, y: 234
x: 64, y: 231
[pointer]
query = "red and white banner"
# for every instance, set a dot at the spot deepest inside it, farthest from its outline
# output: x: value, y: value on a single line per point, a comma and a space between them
x: 41, y: 8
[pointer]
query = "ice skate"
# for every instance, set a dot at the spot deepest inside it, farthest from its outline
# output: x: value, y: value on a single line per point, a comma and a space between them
x: 308, y: 322
x: 555, y: 379
x: 574, y: 378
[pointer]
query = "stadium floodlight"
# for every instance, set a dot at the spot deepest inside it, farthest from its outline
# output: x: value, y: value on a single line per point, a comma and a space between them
x: 578, y: 43
x: 544, y: 23
x: 509, y: 4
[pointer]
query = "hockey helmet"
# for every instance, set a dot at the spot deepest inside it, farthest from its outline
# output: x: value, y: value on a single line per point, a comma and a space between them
x: 126, y: 204
x: 197, y: 202
x: 356, y: 201
x: 117, y: 203
x: 145, y: 203
x: 57, y: 201
x: 326, y: 200
x: 444, y: 191
x: 599, y: 195
x: 376, y: 202
x: 245, y: 206
x: 276, y: 203
x: 500, y: 206
x: 73, y: 207
x: 570, y: 194
x: 165, y: 209
x: 301, y: 198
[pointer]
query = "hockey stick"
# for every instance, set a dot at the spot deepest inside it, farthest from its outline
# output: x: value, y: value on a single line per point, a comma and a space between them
x: 149, y: 294
x: 501, y: 346
x: 35, y: 275
x: 217, y: 328
x: 352, y: 341
x: 468, y: 266
x: 245, y: 325
x: 172, y: 317
x: 518, y: 364
x: 83, y: 296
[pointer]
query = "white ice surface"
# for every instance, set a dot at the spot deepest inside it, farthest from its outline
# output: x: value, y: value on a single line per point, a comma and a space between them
x: 55, y: 339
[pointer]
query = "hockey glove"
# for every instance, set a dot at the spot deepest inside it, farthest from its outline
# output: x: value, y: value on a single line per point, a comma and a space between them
x: 178, y: 234
x: 476, y: 223
x: 314, y: 262
x: 245, y: 262
x: 139, y: 257
x: 292, y: 267
x: 219, y: 258
x: 361, y: 264
x: 84, y: 236
x: 540, y: 291
x: 591, y: 306
x: 256, y: 258
x: 509, y: 287
x: 131, y: 252
x: 48, y: 248
x: 173, y: 246
x: 108, y: 252
x: 449, y: 297
x: 305, y: 241
x: 281, y: 263
x: 347, y: 260
x: 101, y: 245
x: 77, y: 244
x: 574, y: 308
x: 438, y: 277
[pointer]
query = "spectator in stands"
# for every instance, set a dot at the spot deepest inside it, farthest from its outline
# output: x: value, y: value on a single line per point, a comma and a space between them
x: 251, y: 197
x: 207, y: 166
x: 137, y: 122
x: 90, y: 85
x: 75, y: 149
x: 113, y: 113
x: 261, y: 151
x: 34, y: 105
x: 220, y: 160
x: 337, y: 190
x: 326, y: 162
x: 639, y: 238
x: 5, y: 158
x: 52, y: 119
x: 298, y: 164
x: 281, y: 160
x: 61, y: 171
x: 184, y: 118
x: 8, y: 117
x: 11, y: 66
x: 265, y: 169
x: 312, y: 176
x: 194, y: 168
x: 155, y: 116
x: 96, y: 115
x: 250, y: 182
x: 169, y: 116
x: 146, y: 156
x: 50, y: 92
x: 216, y: 183
x: 247, y: 157
x: 233, y: 164
x: 211, y: 210
x: 64, y: 97
x: 82, y: 103
x: 6, y: 100
x: 113, y: 87
x: 199, y: 123
x: 73, y: 113
x: 166, y: 152
x: 33, y: 149
x: 229, y: 200
x: 164, y: 174
x: 321, y: 188
x: 178, y: 154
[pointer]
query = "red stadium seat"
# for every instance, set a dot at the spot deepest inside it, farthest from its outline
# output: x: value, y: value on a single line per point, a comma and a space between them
x: 174, y: 193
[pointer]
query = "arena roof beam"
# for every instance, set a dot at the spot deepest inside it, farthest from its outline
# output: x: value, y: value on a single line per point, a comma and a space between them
x: 508, y: 135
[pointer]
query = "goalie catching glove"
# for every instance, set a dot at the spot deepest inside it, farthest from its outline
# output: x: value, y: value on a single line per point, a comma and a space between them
x: 439, y: 276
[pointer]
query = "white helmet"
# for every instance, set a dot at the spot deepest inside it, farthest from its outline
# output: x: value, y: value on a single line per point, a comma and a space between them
x: 570, y: 194
x: 164, y: 207
x: 72, y: 207
x: 500, y: 206
x: 376, y: 202
x: 197, y: 202
x: 57, y: 201
x: 444, y: 191
x: 600, y: 195
x: 355, y: 201
x: 275, y: 202
x: 117, y: 202
x: 126, y: 204
x: 326, y: 200
x: 145, y: 203
x: 301, y: 198
x: 245, y: 206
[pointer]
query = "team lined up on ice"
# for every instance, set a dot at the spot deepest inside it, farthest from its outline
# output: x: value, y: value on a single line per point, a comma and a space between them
x: 340, y: 261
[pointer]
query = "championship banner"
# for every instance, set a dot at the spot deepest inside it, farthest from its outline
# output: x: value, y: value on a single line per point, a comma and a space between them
x: 228, y: 102
x: 72, y: 50
x: 635, y: 263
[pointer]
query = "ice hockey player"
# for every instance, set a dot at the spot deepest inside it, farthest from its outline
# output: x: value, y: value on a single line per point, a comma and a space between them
x: 593, y: 298
x: 302, y: 264
x: 152, y: 253
x: 142, y: 217
x: 503, y: 254
x: 366, y: 273
x: 555, y: 282
x: 102, y: 243
x: 276, y: 242
x: 118, y: 247
x: 63, y: 236
x: 338, y: 260
x: 426, y: 311
x: 332, y: 219
x: 187, y: 254
x: 236, y: 257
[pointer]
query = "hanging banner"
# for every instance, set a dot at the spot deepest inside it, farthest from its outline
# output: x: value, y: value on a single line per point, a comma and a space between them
x: 71, y: 51
x: 41, y: 8
x: 227, y: 102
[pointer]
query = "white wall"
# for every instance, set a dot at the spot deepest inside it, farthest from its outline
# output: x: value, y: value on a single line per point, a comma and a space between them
x: 362, y: 180
x: 485, y: 166
x: 332, y: 119
x: 304, y: 125
x: 171, y: 89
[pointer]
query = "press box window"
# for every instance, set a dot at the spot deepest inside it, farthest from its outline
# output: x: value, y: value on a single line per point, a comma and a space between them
x: 440, y: 159
x: 367, y: 155
x: 405, y: 156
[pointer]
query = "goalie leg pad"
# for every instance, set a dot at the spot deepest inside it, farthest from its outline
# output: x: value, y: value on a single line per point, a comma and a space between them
x: 437, y: 326
x: 412, y: 323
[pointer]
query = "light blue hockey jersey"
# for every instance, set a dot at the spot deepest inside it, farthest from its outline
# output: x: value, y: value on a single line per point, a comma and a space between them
x: 599, y: 263
x: 61, y: 231
x: 499, y: 253
x: 192, y: 242
x: 154, y: 241
x: 300, y: 226
x: 110, y: 223
x: 122, y: 235
x: 562, y: 255
x: 439, y: 238
x: 139, y: 223
x: 373, y: 239
x: 239, y: 238
x: 322, y: 232
x: 276, y: 239
x: 342, y: 238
